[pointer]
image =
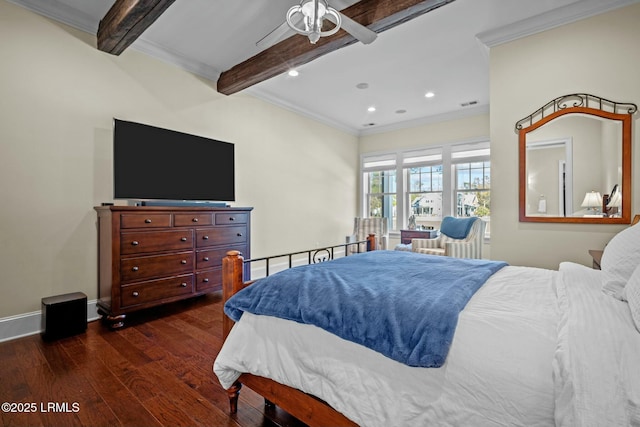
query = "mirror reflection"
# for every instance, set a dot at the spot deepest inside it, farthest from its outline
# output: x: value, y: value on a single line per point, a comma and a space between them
x: 573, y: 164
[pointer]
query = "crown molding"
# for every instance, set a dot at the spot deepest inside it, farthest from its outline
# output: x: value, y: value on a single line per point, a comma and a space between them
x: 548, y: 20
x: 436, y: 118
x: 452, y: 115
x: 174, y: 58
x: 60, y: 12
x: 273, y: 99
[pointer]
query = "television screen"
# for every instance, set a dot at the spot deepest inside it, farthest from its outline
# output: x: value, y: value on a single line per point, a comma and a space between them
x: 155, y: 163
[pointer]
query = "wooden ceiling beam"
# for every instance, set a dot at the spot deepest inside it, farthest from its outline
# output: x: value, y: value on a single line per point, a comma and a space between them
x: 377, y: 15
x: 126, y: 21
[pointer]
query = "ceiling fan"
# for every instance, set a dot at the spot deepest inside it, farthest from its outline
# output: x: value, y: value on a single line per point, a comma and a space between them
x: 307, y: 19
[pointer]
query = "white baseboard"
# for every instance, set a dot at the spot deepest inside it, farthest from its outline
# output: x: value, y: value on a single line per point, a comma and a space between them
x: 26, y: 324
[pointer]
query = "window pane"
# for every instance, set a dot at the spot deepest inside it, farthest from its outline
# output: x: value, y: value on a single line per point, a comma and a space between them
x: 425, y: 178
x: 436, y: 180
x: 383, y: 206
x: 381, y: 197
x: 462, y: 178
x: 477, y: 178
x: 473, y: 203
x: 426, y: 206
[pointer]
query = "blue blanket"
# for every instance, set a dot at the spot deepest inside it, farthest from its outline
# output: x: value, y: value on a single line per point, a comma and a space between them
x: 457, y: 228
x: 401, y: 304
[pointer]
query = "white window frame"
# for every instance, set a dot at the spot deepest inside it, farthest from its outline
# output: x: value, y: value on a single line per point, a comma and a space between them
x: 385, y: 160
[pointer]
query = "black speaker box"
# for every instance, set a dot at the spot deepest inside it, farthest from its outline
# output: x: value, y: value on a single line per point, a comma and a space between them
x: 64, y: 315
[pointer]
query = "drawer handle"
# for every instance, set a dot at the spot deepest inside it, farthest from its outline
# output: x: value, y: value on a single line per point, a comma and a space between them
x: 231, y: 218
x: 135, y: 293
x: 135, y: 268
x: 147, y: 221
x: 183, y: 239
x: 195, y: 220
x: 184, y: 261
x: 205, y: 258
x: 239, y: 234
x: 205, y: 280
x: 183, y: 285
x: 135, y: 243
x: 205, y: 237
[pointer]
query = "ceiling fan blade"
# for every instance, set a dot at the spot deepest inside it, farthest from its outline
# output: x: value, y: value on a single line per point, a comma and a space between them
x: 279, y: 33
x: 356, y: 29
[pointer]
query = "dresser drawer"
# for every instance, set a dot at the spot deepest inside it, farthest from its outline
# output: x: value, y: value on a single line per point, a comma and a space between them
x: 145, y: 220
x: 155, y: 241
x: 154, y: 290
x: 220, y: 236
x: 209, y: 258
x: 209, y: 279
x: 191, y: 219
x: 146, y: 267
x: 231, y: 218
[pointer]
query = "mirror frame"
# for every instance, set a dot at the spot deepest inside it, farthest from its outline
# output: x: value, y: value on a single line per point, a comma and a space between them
x: 584, y: 104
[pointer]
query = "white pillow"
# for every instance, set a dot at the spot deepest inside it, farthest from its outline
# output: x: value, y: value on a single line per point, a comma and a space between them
x: 619, y: 260
x: 632, y: 291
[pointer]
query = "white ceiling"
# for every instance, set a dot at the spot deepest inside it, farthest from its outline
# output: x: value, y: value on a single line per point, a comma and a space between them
x: 444, y: 51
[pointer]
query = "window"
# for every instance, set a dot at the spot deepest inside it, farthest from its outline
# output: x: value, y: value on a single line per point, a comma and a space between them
x: 473, y: 197
x: 425, y: 190
x: 380, y: 185
x: 428, y: 184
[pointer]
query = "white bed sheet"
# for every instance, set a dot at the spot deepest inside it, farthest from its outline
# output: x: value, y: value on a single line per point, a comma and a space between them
x: 498, y: 371
x: 596, y: 365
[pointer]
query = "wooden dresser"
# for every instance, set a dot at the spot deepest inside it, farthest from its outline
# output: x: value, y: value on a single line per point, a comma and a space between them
x: 154, y: 255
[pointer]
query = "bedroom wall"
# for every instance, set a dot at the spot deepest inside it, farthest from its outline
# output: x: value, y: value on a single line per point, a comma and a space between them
x: 58, y: 97
x: 598, y: 55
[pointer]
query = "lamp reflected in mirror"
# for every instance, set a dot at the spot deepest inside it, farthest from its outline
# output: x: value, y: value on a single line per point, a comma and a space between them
x: 592, y: 201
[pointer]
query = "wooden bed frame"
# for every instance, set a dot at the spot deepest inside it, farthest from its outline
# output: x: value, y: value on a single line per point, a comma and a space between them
x: 305, y: 407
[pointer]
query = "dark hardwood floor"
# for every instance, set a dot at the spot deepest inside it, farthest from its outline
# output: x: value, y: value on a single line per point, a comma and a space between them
x: 157, y: 371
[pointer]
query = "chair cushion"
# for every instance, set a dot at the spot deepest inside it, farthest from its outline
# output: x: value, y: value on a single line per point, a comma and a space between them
x: 457, y: 228
x: 430, y: 251
x: 403, y: 247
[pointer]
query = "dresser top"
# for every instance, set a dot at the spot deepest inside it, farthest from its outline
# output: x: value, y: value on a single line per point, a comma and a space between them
x: 114, y: 208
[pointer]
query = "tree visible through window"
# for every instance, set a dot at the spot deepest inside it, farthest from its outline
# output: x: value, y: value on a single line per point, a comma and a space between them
x: 381, y: 194
x: 473, y: 184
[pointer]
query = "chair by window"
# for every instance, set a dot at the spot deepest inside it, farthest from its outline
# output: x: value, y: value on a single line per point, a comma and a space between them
x: 362, y: 227
x: 459, y: 238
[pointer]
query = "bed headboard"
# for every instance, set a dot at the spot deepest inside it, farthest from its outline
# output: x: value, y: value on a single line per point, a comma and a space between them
x: 233, y: 279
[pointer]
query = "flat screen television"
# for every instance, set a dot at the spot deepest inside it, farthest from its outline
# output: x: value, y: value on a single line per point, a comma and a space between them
x: 151, y: 163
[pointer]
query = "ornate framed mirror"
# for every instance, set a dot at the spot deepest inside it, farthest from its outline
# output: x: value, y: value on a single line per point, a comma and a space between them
x: 575, y: 161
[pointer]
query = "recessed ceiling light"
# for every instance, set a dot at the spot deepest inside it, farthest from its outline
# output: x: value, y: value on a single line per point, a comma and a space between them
x: 371, y: 109
x: 293, y: 73
x: 429, y: 95
x: 362, y: 85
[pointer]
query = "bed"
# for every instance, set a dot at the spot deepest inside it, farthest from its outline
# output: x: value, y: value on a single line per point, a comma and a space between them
x: 531, y: 347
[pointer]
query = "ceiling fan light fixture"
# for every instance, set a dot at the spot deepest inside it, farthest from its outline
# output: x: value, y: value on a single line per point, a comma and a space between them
x: 313, y: 14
